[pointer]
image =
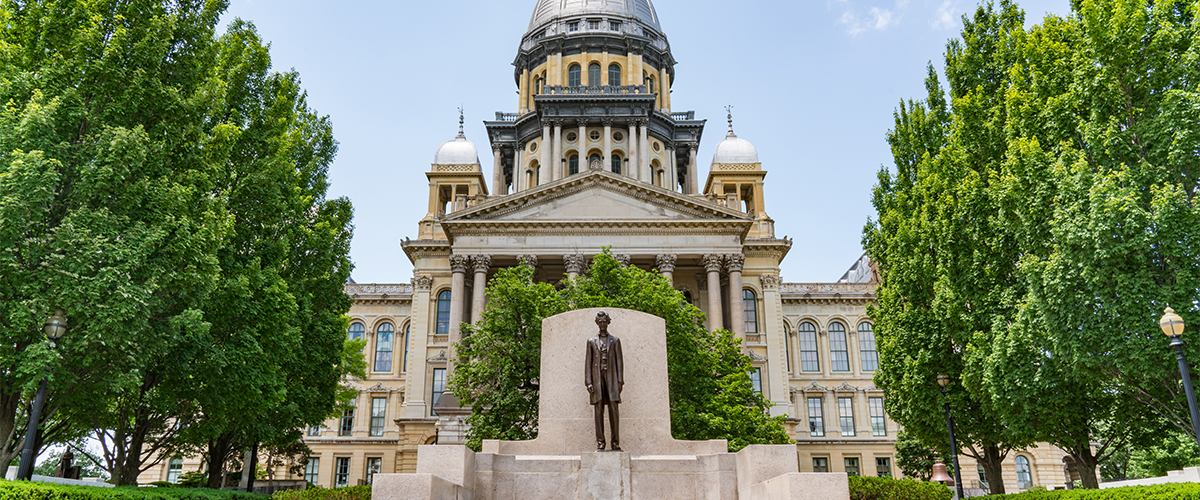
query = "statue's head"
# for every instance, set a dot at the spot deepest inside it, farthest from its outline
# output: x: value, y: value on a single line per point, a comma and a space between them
x: 602, y: 319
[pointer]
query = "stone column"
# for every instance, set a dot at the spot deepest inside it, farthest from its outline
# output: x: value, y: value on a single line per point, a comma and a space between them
x: 672, y: 171
x: 644, y: 152
x: 666, y: 265
x: 480, y: 264
x: 516, y: 170
x: 608, y: 145
x: 416, y: 406
x: 574, y: 264
x: 737, y: 310
x: 546, y: 150
x: 713, y: 264
x: 458, y: 289
x: 554, y: 162
x: 633, y: 169
x: 497, y: 170
x: 777, y: 353
x: 692, y: 181
x: 583, y: 147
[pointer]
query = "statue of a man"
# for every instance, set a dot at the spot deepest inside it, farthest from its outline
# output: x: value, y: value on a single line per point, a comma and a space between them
x: 604, y: 375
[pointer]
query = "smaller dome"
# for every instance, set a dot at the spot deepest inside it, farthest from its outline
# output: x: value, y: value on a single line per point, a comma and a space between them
x: 734, y: 150
x: 460, y: 151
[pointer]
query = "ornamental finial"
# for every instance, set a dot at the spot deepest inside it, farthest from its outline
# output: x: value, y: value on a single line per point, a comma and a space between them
x: 729, y: 110
x: 460, y: 122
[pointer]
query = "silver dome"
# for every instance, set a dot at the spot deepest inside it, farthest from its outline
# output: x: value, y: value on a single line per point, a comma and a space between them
x: 733, y: 150
x: 549, y: 10
x: 460, y: 151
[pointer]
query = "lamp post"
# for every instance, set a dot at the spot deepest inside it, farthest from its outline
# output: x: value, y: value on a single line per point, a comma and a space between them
x: 943, y: 381
x: 1172, y: 325
x: 437, y: 432
x: 54, y: 329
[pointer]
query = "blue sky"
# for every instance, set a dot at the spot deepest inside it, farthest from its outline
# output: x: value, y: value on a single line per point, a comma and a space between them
x: 813, y: 84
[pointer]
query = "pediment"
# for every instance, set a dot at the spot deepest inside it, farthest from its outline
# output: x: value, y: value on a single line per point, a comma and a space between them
x: 597, y: 196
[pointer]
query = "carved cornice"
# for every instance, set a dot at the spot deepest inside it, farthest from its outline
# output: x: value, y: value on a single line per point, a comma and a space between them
x: 588, y: 227
x: 440, y: 357
x: 481, y: 263
x: 756, y: 357
x: 666, y: 262
x: 845, y: 387
x: 459, y: 263
x: 378, y: 288
x: 734, y: 262
x: 713, y: 262
x: 422, y: 282
x: 770, y: 281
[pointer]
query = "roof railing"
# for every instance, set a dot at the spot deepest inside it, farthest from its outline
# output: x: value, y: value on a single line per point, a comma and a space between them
x: 593, y: 90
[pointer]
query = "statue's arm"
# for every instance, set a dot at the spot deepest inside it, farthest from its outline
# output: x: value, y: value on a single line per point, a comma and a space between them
x: 619, y: 357
x: 587, y: 368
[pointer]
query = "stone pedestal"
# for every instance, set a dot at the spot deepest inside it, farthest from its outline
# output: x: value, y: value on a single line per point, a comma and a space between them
x: 605, y: 476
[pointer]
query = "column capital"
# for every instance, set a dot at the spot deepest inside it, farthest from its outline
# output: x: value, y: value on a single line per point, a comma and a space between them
x: 623, y: 258
x: 735, y: 262
x: 496, y: 148
x: 770, y: 281
x: 528, y: 260
x: 666, y: 262
x: 422, y: 282
x: 481, y: 263
x: 459, y: 263
x: 574, y: 263
x: 713, y: 262
x: 607, y: 122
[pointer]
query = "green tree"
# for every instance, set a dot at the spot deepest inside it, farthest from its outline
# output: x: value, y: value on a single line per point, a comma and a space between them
x: 710, y: 389
x: 916, y: 459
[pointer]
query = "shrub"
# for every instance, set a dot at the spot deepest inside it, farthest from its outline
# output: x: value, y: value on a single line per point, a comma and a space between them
x: 352, y: 493
x: 1175, y: 491
x: 882, y: 488
x: 20, y: 490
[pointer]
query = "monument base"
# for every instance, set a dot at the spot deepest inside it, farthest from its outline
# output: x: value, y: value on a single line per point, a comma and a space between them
x: 755, y: 473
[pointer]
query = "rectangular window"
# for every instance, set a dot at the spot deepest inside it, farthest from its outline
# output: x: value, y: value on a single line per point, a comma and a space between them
x: 174, y: 470
x: 982, y: 475
x: 816, y: 418
x: 341, y: 475
x: 883, y: 467
x: 407, y: 331
x: 750, y: 307
x: 593, y: 25
x: 439, y: 385
x: 374, y: 466
x: 312, y: 470
x: 573, y: 27
x: 846, y: 416
x: 347, y: 425
x: 614, y: 25
x: 878, y: 422
x: 866, y: 348
x: 809, y: 359
x: 378, y: 412
x: 820, y: 464
x: 839, y: 350
x: 314, y: 431
x: 851, y: 466
x: 756, y: 379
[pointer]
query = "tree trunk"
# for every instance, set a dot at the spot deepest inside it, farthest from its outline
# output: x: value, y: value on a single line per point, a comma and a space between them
x: 1086, y: 464
x: 218, y: 449
x: 253, y: 468
x: 993, y: 469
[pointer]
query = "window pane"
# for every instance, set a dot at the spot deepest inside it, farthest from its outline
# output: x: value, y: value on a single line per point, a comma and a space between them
x: 378, y: 414
x: 347, y: 427
x: 383, y: 347
x: 787, y: 348
x: 810, y: 361
x: 312, y: 470
x: 314, y: 431
x: 439, y: 385
x: 756, y: 379
x: 866, y: 348
x: 1024, y: 478
x: 174, y: 470
x: 851, y: 466
x: 616, y: 164
x: 614, y: 74
x: 750, y: 305
x: 573, y: 164
x: 407, y: 331
x: 356, y: 331
x: 821, y: 464
x: 878, y: 422
x: 839, y: 352
x: 573, y: 75
x: 846, y: 416
x: 443, y: 313
x: 816, y: 418
x: 341, y: 475
x: 594, y: 75
x: 374, y: 466
x: 883, y: 467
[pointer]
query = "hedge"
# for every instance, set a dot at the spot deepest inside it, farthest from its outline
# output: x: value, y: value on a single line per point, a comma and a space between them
x: 21, y: 490
x: 352, y: 493
x: 1176, y: 491
x: 882, y: 488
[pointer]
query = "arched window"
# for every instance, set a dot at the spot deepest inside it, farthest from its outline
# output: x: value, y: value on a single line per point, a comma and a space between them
x: 407, y: 332
x: 1024, y: 475
x: 750, y: 305
x: 614, y: 75
x: 383, y: 347
x: 356, y: 331
x: 538, y: 85
x: 787, y: 347
x: 595, y: 158
x: 839, y: 350
x: 573, y: 76
x: 866, y: 347
x: 649, y: 85
x: 616, y: 164
x: 443, y: 312
x: 573, y: 165
x: 594, y: 75
x: 687, y: 294
x: 810, y: 359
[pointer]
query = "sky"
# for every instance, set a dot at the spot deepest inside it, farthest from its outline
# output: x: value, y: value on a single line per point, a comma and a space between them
x: 813, y: 85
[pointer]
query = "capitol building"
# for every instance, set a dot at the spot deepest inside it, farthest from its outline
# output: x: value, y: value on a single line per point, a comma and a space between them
x: 595, y: 154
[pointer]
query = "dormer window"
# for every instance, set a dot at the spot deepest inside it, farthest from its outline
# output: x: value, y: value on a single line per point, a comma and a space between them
x: 593, y: 24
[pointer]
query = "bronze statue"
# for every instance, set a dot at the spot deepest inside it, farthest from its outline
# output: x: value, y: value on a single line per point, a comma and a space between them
x: 604, y: 375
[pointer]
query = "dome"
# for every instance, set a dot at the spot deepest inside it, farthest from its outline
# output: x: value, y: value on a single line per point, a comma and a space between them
x: 735, y: 151
x: 549, y: 10
x: 460, y: 151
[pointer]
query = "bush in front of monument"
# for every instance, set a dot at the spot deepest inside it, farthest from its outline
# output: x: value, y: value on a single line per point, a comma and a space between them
x: 351, y: 493
x: 25, y: 490
x: 886, y: 488
x: 497, y: 374
x: 1155, y: 492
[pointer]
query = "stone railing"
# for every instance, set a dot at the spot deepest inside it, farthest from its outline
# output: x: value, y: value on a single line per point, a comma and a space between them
x: 378, y: 289
x: 597, y: 90
x: 683, y: 115
x: 827, y: 288
x: 507, y: 117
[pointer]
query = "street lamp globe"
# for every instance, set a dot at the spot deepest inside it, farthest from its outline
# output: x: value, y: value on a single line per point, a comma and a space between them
x: 1171, y: 323
x: 943, y: 380
x: 56, y: 326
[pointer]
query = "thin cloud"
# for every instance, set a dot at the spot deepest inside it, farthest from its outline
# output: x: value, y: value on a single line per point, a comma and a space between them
x: 876, y: 18
x: 944, y: 18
